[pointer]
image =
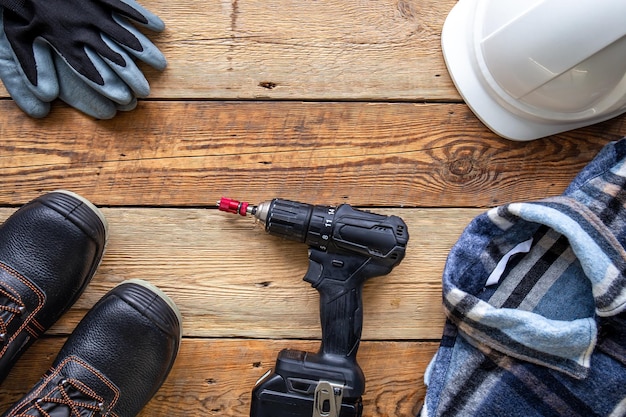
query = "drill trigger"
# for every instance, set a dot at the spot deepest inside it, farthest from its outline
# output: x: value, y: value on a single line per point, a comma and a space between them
x: 314, y: 274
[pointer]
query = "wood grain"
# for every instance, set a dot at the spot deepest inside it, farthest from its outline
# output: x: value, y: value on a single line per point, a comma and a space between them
x: 216, y: 377
x: 284, y: 49
x: 230, y: 279
x: 192, y: 153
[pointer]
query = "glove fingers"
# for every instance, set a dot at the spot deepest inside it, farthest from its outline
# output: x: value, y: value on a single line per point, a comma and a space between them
x: 129, y: 73
x: 113, y: 87
x: 128, y: 107
x: 128, y: 37
x: 77, y: 93
x: 152, y: 21
x: 47, y: 88
x: 89, y: 64
x: 149, y: 53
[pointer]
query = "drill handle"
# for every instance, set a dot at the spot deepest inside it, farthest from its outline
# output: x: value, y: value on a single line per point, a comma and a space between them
x: 339, y: 279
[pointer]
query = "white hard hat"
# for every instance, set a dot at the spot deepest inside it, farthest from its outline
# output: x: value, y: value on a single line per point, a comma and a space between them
x: 533, y: 68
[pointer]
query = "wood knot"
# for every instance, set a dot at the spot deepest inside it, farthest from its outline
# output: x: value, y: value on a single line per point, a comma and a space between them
x: 465, y: 166
x: 461, y: 167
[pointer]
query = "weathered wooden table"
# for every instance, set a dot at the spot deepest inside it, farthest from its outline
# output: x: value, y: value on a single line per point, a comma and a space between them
x: 324, y: 102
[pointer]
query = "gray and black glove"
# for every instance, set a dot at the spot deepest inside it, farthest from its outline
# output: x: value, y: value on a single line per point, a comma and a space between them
x: 45, y: 41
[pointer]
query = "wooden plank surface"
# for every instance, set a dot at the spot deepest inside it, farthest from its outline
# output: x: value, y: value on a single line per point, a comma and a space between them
x: 316, y: 50
x: 230, y: 279
x: 375, y: 154
x: 321, y: 102
x: 213, y: 377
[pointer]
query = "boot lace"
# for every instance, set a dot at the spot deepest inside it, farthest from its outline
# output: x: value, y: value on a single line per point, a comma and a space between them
x: 9, y: 303
x: 71, y: 394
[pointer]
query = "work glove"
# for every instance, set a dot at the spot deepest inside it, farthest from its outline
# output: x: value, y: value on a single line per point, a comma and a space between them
x: 77, y: 50
x: 67, y: 86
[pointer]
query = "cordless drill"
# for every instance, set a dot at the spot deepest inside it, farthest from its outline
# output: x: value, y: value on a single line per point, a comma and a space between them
x: 346, y: 247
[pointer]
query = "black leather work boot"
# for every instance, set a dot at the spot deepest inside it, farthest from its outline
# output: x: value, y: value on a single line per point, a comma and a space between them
x: 49, y: 250
x: 115, y: 360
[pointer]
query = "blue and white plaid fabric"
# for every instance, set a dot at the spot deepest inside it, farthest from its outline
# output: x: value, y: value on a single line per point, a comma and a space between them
x: 535, y: 295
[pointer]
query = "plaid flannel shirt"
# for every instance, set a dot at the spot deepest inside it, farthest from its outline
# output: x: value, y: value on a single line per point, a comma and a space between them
x: 534, y: 295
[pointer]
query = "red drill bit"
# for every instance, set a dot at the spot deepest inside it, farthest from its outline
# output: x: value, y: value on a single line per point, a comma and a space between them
x: 233, y: 206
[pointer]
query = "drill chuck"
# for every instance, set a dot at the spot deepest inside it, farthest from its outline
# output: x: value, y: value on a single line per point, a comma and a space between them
x: 300, y: 222
x: 291, y: 220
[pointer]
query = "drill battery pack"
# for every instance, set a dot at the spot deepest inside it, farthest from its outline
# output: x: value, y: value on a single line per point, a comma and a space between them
x: 303, y: 384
